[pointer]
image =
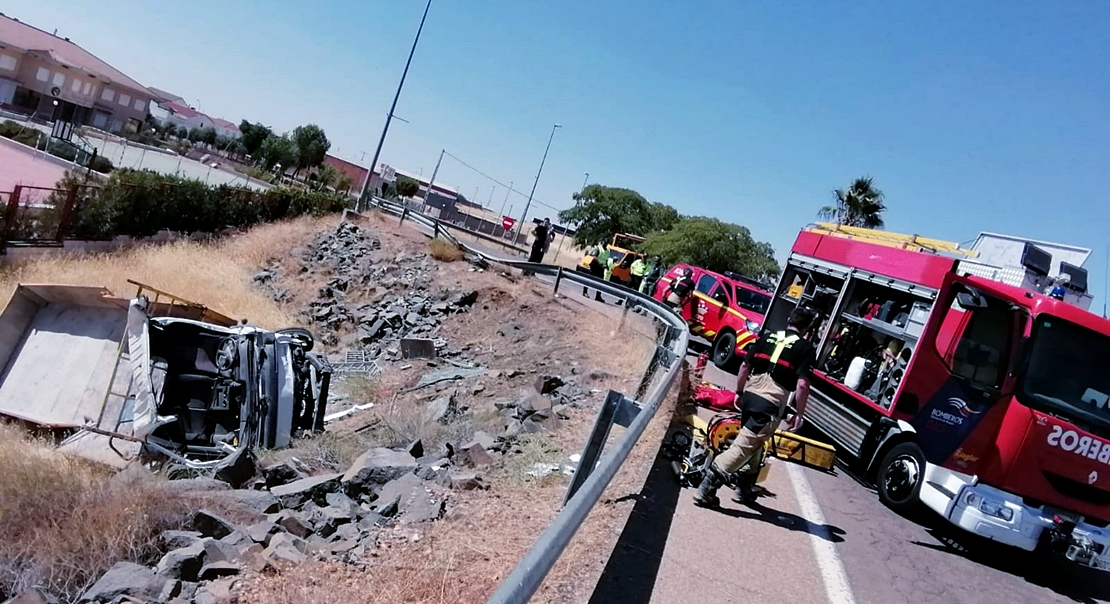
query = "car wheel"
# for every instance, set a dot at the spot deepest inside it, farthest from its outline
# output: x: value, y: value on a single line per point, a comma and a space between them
x: 900, y: 477
x: 724, y: 352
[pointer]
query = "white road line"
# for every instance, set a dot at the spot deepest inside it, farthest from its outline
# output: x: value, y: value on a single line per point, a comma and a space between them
x: 833, y: 575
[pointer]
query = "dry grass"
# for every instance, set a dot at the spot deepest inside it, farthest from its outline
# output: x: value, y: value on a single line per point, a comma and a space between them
x: 216, y: 274
x: 444, y: 251
x: 64, y: 523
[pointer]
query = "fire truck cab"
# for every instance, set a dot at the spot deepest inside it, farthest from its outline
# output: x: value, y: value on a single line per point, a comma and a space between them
x: 954, y: 380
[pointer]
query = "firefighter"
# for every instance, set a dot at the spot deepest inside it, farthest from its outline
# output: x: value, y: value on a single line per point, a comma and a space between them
x: 681, y: 286
x: 639, y: 270
x: 776, y: 365
x: 653, y: 276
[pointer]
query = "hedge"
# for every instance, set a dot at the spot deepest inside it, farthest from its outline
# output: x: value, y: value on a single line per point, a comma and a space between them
x: 142, y: 203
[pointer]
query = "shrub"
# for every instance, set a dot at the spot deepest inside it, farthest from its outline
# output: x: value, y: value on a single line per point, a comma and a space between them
x: 102, y: 164
x: 444, y: 250
x: 20, y: 133
x: 142, y: 203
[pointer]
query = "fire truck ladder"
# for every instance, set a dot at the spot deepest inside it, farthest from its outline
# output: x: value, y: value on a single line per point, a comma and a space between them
x: 898, y: 240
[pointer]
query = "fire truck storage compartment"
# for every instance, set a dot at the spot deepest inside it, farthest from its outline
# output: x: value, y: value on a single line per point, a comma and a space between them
x: 866, y: 328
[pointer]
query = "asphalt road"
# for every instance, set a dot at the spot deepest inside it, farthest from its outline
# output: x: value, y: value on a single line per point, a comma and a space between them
x: 855, y: 551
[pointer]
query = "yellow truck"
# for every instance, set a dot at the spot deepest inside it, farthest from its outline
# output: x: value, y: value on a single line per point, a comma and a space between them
x: 621, y: 255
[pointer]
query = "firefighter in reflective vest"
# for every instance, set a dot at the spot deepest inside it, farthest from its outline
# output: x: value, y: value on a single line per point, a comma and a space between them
x: 638, y: 271
x: 776, y: 365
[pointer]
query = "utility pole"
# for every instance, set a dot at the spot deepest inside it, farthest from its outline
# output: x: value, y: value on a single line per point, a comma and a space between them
x: 431, y: 182
x: 585, y: 181
x: 502, y: 213
x: 392, y: 108
x: 536, y: 182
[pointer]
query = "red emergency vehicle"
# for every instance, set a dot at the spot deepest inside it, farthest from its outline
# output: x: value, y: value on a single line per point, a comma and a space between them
x: 955, y: 381
x: 726, y: 309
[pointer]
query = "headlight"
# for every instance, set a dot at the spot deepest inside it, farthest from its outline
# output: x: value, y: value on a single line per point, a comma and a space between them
x: 989, y: 507
x: 751, y: 326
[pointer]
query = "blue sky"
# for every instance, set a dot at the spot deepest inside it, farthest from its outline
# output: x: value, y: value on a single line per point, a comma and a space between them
x: 985, y: 117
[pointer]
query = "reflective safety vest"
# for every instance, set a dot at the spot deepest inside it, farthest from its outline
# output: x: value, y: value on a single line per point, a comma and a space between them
x: 782, y: 341
x: 639, y: 267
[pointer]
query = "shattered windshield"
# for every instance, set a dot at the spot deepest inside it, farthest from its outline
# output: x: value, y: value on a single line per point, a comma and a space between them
x: 1067, y: 372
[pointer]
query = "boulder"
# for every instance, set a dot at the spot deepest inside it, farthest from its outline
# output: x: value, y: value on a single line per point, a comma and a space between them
x: 257, y: 502
x: 476, y: 454
x: 251, y: 558
x: 295, y: 523
x: 535, y: 403
x: 125, y: 579
x: 377, y: 466
x: 219, y: 551
x: 262, y: 531
x: 313, y: 488
x: 546, y: 384
x: 208, y: 524
x: 561, y: 411
x: 484, y: 439
x: 216, y: 592
x: 466, y: 480
x: 410, y: 499
x: 177, y: 539
x: 464, y: 299
x: 281, y: 473
x: 182, y: 563
x: 285, y: 548
x: 216, y: 570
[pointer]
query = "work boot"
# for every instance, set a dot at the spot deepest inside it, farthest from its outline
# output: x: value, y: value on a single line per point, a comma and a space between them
x: 745, y: 491
x: 706, y: 496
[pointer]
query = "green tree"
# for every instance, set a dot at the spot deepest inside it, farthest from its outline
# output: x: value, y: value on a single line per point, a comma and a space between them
x: 713, y: 244
x: 182, y: 132
x: 407, y: 187
x: 324, y: 176
x: 277, y: 149
x: 254, y: 135
x: 208, y: 135
x: 860, y: 205
x: 312, y: 145
x: 599, y: 212
x: 344, y: 184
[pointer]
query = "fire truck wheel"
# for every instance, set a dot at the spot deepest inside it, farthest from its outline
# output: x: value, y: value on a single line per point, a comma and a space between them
x: 724, y: 352
x: 900, y: 477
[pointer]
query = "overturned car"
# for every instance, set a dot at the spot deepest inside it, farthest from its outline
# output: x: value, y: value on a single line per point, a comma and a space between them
x: 154, y: 374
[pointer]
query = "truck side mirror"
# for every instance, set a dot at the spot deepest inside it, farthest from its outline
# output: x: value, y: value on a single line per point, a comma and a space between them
x: 970, y: 298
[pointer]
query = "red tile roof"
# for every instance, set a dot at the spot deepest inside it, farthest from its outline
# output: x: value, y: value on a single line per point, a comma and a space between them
x: 182, y: 110
x: 222, y: 123
x: 24, y: 37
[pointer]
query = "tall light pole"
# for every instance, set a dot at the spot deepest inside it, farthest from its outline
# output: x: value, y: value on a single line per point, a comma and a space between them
x: 585, y: 181
x: 392, y: 108
x: 534, y: 183
x: 506, y: 199
x: 428, y: 193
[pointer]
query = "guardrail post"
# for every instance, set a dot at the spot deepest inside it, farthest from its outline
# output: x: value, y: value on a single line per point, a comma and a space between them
x: 435, y: 230
x: 558, y: 279
x: 617, y: 409
x: 404, y: 215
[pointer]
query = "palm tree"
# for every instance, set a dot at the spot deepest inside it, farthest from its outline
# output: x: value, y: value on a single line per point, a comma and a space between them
x: 325, y: 176
x: 860, y: 205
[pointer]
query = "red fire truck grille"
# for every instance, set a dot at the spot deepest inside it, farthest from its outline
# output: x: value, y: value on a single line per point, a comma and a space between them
x: 1077, y: 490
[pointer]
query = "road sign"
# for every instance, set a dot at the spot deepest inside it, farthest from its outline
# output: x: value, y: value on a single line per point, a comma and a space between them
x: 507, y: 223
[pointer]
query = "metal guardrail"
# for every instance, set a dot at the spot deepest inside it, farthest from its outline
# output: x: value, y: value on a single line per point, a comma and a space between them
x: 595, y: 471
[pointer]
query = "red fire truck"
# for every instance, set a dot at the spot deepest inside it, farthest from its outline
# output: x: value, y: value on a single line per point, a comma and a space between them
x: 972, y: 380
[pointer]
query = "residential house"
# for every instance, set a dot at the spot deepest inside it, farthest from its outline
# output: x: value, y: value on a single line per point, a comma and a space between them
x: 181, y: 115
x: 162, y: 96
x: 225, y: 128
x: 52, y: 78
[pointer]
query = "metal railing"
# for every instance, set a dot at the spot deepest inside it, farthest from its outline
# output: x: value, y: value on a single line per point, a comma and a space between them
x: 595, y: 470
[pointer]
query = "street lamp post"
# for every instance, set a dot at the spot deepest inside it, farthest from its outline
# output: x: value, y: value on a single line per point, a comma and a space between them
x: 392, y: 108
x: 534, y: 183
x: 585, y: 181
x: 428, y: 193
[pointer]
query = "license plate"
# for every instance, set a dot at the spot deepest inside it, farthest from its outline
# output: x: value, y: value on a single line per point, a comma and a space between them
x: 1101, y: 563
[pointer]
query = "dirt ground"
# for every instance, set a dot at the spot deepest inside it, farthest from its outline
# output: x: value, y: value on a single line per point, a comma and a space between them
x: 518, y: 331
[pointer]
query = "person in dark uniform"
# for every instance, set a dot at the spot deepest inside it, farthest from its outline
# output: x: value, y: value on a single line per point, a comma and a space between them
x: 541, y: 238
x: 776, y: 365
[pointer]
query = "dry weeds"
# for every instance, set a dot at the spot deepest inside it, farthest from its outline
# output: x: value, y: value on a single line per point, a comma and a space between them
x: 444, y: 251
x: 65, y: 523
x: 216, y: 274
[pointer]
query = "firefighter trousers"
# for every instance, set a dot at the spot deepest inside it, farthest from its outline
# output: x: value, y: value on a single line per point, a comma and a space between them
x: 746, y: 443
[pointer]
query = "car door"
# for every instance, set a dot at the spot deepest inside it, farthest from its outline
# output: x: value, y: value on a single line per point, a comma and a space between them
x: 705, y: 307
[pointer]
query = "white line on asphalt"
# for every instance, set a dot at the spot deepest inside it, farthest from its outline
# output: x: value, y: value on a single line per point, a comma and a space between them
x: 833, y: 574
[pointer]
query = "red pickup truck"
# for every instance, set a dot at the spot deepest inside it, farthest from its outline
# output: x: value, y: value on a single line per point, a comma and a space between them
x: 726, y: 309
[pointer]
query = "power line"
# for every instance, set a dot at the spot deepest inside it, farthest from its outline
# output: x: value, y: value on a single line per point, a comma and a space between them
x: 498, y: 182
